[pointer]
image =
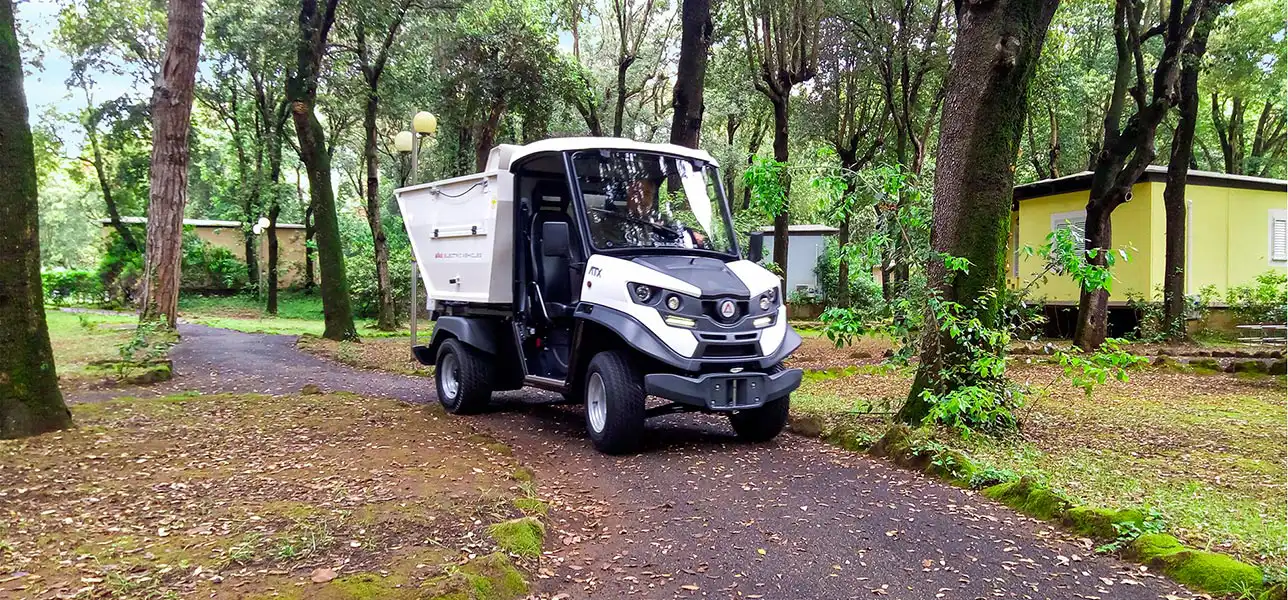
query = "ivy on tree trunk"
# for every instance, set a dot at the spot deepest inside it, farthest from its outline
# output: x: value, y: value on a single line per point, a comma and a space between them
x: 998, y: 44
x: 301, y: 92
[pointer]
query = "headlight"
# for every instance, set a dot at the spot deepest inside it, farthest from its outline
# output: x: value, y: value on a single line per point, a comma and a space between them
x: 764, y: 302
x: 673, y: 302
x: 773, y: 294
x: 643, y: 293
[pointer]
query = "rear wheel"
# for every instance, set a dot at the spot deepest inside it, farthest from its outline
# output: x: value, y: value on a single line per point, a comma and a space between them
x: 462, y: 377
x: 614, y: 394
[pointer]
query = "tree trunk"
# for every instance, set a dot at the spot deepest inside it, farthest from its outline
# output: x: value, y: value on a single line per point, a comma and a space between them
x: 274, y: 204
x: 1177, y: 172
x: 783, y: 218
x: 310, y: 279
x: 487, y: 136
x: 113, y: 213
x: 385, y: 319
x: 301, y: 92
x: 1128, y: 149
x: 997, y: 49
x: 619, y: 110
x: 30, y: 402
x: 691, y: 72
x: 168, y: 190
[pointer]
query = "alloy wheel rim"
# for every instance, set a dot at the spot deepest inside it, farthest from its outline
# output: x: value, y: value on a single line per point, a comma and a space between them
x: 448, y: 376
x: 596, y: 403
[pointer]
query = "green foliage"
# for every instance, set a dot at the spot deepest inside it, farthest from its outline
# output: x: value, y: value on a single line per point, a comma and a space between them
x: 209, y: 267
x: 991, y: 476
x: 522, y: 536
x: 767, y: 180
x: 64, y: 286
x: 843, y: 325
x: 1265, y: 300
x: 865, y: 292
x: 1126, y: 531
x: 1086, y: 371
x: 120, y: 270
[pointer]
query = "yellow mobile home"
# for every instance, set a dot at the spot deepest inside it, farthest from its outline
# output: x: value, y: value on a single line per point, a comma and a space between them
x: 1237, y: 228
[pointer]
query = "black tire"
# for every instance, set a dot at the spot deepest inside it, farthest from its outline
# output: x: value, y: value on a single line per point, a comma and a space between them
x: 623, y: 403
x: 761, y: 424
x: 764, y: 423
x: 471, y: 373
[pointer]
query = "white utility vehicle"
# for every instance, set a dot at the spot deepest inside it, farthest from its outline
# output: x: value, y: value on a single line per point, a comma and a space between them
x: 606, y: 270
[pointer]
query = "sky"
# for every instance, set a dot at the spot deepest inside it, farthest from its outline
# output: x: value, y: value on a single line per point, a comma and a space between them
x: 46, y: 85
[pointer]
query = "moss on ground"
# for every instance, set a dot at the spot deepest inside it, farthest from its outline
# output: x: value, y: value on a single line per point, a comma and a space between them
x: 1208, y: 571
x: 522, y: 536
x: 1100, y: 522
x: 364, y: 586
x: 531, y: 506
x: 490, y: 577
x: 523, y: 474
x: 1029, y: 497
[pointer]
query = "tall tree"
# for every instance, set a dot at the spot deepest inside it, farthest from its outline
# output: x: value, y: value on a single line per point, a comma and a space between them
x: 1128, y: 148
x: 848, y: 110
x: 908, y: 41
x: 998, y: 44
x: 1246, y: 87
x: 632, y: 19
x: 1178, y: 168
x: 696, y: 30
x: 30, y: 402
x: 315, y: 24
x: 781, y: 38
x: 371, y: 63
x: 168, y: 191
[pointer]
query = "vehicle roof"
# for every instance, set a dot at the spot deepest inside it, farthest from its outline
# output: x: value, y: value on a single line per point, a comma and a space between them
x: 505, y: 155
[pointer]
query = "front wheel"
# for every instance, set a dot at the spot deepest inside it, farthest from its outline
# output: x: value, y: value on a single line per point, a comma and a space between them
x: 614, y: 394
x: 462, y: 376
x: 761, y: 424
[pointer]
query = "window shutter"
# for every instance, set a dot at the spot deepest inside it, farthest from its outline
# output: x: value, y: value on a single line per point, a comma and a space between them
x: 1279, y: 239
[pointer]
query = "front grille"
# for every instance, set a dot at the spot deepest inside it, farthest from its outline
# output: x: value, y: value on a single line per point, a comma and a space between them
x: 729, y: 350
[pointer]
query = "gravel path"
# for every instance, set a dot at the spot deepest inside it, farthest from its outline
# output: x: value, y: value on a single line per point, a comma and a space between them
x: 698, y: 514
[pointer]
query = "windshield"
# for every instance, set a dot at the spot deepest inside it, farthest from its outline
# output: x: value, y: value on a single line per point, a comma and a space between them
x: 644, y: 200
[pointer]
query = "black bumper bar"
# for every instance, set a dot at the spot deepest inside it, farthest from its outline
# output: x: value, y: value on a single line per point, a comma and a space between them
x: 723, y: 391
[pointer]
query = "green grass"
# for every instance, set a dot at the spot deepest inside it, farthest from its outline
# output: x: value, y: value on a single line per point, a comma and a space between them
x: 79, y: 339
x: 298, y: 313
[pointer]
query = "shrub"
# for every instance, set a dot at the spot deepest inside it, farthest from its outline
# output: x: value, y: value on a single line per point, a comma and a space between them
x: 72, y: 287
x: 1265, y: 300
x: 865, y: 292
x: 209, y: 267
x: 120, y: 269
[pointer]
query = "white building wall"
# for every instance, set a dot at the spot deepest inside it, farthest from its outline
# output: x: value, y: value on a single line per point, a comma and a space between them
x: 802, y: 255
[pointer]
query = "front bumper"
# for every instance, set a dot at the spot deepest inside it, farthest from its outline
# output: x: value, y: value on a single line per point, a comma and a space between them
x: 723, y: 391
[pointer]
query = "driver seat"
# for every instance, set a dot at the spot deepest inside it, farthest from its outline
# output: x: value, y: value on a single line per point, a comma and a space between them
x: 553, y: 275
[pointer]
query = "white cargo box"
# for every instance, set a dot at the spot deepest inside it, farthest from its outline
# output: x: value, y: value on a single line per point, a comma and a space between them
x: 462, y: 235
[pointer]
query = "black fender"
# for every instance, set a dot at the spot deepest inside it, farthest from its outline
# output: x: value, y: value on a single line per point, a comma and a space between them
x: 477, y: 333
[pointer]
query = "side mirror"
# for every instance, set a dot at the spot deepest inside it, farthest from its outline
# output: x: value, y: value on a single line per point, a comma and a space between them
x: 554, y: 239
x: 756, y: 251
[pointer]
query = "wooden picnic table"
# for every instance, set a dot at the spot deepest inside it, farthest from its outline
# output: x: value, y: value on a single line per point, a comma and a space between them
x: 1269, y: 334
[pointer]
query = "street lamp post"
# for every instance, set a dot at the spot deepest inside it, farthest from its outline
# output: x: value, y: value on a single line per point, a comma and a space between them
x: 423, y: 123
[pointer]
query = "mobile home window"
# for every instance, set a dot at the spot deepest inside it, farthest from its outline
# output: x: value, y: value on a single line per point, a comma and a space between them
x: 1074, y: 221
x: 1279, y: 235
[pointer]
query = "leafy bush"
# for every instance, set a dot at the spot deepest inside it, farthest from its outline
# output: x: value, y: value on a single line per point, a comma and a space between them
x: 1265, y: 300
x: 120, y: 270
x: 865, y: 292
x: 64, y: 286
x: 210, y: 267
x: 360, y: 268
